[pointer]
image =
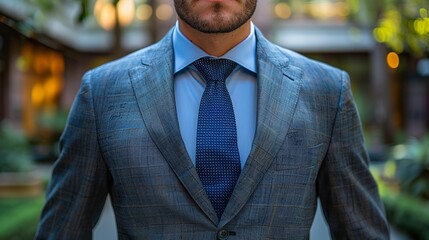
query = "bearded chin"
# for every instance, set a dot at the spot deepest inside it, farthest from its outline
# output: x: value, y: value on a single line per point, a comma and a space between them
x: 217, y: 23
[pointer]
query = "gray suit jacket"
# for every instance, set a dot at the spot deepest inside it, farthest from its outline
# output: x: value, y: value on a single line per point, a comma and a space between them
x: 123, y: 138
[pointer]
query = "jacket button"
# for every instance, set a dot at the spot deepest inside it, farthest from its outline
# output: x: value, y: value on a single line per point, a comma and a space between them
x: 222, y: 234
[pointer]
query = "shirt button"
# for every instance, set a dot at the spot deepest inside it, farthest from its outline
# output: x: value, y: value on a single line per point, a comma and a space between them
x: 222, y: 234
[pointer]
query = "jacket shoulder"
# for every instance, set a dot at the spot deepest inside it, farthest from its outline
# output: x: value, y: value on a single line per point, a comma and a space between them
x: 123, y: 64
x: 312, y: 68
x: 317, y: 75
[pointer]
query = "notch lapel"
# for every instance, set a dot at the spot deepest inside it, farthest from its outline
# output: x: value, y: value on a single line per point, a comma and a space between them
x: 278, y: 89
x: 153, y: 86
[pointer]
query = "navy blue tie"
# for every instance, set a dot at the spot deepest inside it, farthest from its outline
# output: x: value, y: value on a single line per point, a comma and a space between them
x: 217, y: 157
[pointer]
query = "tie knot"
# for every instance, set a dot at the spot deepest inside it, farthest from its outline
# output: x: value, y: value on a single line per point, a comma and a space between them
x: 214, y: 69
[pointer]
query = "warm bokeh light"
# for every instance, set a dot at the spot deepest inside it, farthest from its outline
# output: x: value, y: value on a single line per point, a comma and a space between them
x: 144, y: 12
x: 51, y: 88
x: 46, y: 84
x: 97, y: 7
x: 323, y: 10
x: 57, y: 64
x: 41, y: 64
x: 343, y: 9
x: 282, y: 10
x: 105, y: 13
x: 389, y: 30
x: 107, y: 16
x: 164, y: 12
x: 381, y: 34
x: 328, y: 10
x: 37, y: 94
x: 393, y: 60
x: 421, y: 26
x: 126, y: 11
x: 423, y: 12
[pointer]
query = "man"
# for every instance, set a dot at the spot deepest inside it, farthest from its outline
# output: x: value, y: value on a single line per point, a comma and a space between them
x: 137, y: 131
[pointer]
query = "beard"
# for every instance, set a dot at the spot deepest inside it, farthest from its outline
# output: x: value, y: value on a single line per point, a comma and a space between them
x: 218, y: 22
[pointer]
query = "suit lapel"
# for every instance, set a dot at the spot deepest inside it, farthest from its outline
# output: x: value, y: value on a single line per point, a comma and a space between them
x: 153, y: 86
x: 278, y: 90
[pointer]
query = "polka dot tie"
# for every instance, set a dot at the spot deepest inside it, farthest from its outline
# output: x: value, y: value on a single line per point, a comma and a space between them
x: 217, y: 158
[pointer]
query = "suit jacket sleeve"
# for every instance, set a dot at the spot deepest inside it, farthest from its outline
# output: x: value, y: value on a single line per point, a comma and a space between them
x: 79, y: 184
x: 348, y: 193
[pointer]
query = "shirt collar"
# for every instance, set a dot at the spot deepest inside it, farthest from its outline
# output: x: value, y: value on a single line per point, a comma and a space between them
x: 185, y: 52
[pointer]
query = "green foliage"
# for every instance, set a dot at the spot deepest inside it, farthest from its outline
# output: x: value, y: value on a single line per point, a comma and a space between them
x: 19, y: 217
x: 15, y: 154
x: 363, y: 12
x: 403, y: 25
x: 53, y: 120
x: 43, y: 9
x: 39, y: 16
x: 404, y: 187
x: 84, y: 11
x: 47, y: 5
x: 409, y: 214
x: 412, y: 160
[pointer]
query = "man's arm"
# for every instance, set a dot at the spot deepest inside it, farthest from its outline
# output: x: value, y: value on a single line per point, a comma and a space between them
x: 79, y: 184
x: 348, y: 193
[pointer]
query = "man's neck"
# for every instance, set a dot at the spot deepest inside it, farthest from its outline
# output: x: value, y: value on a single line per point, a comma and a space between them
x: 215, y: 44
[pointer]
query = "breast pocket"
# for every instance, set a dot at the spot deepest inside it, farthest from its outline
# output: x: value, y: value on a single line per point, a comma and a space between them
x: 302, y: 149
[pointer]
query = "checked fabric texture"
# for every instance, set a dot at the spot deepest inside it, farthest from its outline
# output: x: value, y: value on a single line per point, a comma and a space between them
x: 217, y: 156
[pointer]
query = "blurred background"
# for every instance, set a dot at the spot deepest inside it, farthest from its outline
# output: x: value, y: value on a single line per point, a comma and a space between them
x: 47, y: 45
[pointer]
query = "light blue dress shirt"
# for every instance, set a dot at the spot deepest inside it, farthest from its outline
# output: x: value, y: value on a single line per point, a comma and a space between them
x: 241, y: 84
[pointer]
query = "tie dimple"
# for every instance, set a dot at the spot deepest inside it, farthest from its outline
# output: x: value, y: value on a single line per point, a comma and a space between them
x: 217, y: 157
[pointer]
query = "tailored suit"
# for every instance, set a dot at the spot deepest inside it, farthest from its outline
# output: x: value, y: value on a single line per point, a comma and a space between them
x: 123, y: 139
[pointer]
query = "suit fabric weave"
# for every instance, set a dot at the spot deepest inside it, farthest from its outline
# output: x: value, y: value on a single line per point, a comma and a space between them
x: 122, y: 138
